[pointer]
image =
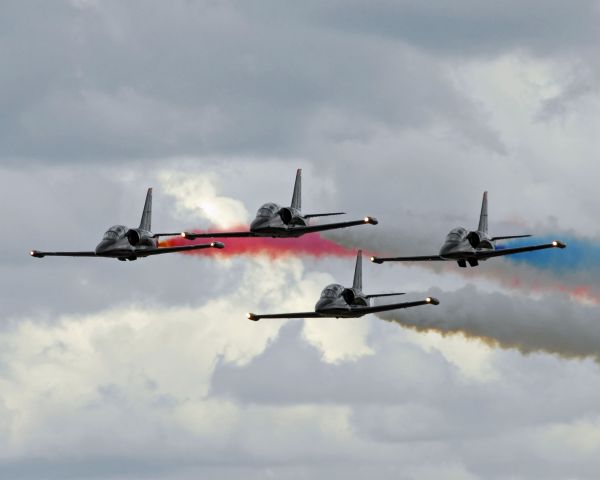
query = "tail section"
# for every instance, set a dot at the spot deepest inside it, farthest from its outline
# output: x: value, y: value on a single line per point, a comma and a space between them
x: 483, y: 217
x: 357, y: 284
x: 297, y: 197
x: 146, y: 222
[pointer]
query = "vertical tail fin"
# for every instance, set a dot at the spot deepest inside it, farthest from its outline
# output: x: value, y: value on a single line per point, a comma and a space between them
x: 297, y: 197
x: 483, y: 217
x: 357, y: 284
x: 146, y: 222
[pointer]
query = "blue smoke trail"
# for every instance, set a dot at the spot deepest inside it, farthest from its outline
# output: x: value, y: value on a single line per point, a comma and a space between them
x: 581, y: 254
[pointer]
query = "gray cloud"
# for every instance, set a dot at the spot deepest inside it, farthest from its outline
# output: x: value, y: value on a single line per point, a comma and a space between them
x: 400, y: 110
x: 468, y: 27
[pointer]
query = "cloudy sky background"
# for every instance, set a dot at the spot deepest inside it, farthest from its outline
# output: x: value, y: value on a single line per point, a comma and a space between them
x: 402, y: 110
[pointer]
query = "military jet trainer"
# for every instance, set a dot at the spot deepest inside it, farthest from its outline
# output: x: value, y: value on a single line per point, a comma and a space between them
x: 465, y: 247
x: 340, y: 302
x: 275, y: 221
x: 130, y: 243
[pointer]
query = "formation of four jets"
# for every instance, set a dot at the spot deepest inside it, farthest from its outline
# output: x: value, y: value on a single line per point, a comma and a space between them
x: 275, y: 221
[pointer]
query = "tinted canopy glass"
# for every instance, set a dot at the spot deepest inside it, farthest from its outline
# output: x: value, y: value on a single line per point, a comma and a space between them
x: 267, y: 210
x: 114, y: 232
x: 332, y: 291
x: 457, y: 234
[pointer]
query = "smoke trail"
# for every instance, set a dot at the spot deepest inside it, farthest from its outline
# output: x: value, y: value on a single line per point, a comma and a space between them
x: 552, y: 324
x: 581, y: 254
x: 312, y: 245
x: 574, y: 270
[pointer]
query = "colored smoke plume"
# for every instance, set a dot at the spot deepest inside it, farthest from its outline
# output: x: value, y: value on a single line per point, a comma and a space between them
x: 550, y: 324
x: 574, y: 271
x: 312, y: 245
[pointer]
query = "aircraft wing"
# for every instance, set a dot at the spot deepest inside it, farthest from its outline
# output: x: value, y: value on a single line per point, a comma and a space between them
x: 313, y: 215
x: 509, y: 237
x: 157, y: 235
x: 255, y: 318
x: 428, y: 258
x: 38, y: 254
x: 333, y: 226
x: 193, y: 236
x: 510, y: 251
x: 395, y: 306
x: 182, y: 248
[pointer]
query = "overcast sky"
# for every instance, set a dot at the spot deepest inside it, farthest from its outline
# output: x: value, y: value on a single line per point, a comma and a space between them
x: 405, y: 110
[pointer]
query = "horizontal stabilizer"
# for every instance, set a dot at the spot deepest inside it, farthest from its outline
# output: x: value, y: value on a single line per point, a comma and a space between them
x: 508, y: 237
x: 313, y: 215
x: 385, y: 295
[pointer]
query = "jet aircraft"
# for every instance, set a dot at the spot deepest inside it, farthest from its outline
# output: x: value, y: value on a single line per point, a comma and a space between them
x: 465, y: 247
x: 275, y: 221
x: 130, y: 243
x: 340, y: 302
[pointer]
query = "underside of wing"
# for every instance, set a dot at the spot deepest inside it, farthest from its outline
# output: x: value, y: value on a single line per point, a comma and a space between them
x: 193, y: 236
x: 397, y: 306
x: 38, y: 254
x: 256, y: 317
x: 427, y: 258
x: 511, y: 251
x: 182, y: 248
x: 334, y: 226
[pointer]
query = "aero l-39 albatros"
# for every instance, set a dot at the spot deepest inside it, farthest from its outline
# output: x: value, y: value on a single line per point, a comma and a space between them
x: 340, y: 302
x: 272, y: 220
x: 465, y: 247
x: 130, y: 243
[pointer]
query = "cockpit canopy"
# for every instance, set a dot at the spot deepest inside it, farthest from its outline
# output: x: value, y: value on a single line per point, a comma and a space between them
x: 268, y: 210
x: 114, y: 232
x: 332, y: 291
x: 457, y: 234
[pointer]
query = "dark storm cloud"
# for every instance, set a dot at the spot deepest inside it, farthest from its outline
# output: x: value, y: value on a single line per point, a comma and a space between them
x: 113, y: 80
x: 470, y: 27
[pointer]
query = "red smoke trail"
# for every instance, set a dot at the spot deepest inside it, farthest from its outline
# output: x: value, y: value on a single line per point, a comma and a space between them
x: 312, y: 245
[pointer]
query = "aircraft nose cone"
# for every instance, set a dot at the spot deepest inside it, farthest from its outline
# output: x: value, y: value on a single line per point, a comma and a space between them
x: 258, y: 223
x: 103, y: 246
x: 322, y: 304
x: 450, y: 247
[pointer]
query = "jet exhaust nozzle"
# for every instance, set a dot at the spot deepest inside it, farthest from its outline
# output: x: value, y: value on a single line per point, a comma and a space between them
x: 286, y: 215
x: 349, y: 295
x: 474, y: 239
x: 134, y: 237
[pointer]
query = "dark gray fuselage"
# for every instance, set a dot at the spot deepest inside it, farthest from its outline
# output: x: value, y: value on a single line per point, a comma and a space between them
x: 461, y: 244
x: 274, y: 221
x: 339, y: 301
x: 117, y: 243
